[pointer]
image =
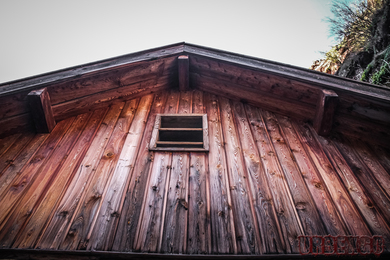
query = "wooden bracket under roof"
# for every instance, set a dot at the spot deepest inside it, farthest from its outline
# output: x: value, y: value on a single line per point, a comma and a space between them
x: 42, y: 113
x: 184, y: 72
x: 326, y: 107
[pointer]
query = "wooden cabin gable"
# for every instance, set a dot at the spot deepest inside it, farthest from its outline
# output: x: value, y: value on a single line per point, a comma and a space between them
x: 92, y: 184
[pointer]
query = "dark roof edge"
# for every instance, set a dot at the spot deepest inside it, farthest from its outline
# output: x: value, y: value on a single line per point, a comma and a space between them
x: 276, y: 68
x: 305, y: 75
x: 82, y: 69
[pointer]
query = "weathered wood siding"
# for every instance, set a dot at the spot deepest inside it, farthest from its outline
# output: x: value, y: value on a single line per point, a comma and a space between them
x: 92, y: 184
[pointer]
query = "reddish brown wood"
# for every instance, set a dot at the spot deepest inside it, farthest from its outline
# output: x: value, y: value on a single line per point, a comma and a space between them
x: 149, y: 228
x: 71, y: 202
x: 285, y: 208
x: 199, y: 236
x: 30, y: 200
x: 16, y: 167
x: 264, y: 100
x: 254, y: 79
x: 357, y: 190
x: 116, y: 129
x: 102, y: 236
x: 322, y: 199
x: 222, y: 225
x: 11, y: 193
x: 108, y: 97
x: 39, y: 219
x: 346, y: 207
x: 326, y: 108
x: 130, y: 217
x: 6, y: 143
x: 184, y: 72
x: 245, y: 226
x: 268, y: 223
x: 42, y: 113
x: 303, y: 202
x: 8, y: 157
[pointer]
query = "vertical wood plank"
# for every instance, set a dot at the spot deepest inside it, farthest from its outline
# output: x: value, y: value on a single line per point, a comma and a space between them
x: 303, y: 202
x: 375, y: 170
x: 357, y: 191
x: 104, y: 229
x: 174, y: 234
x: 222, y: 225
x: 34, y: 195
x: 322, y: 199
x: 73, y: 199
x: 130, y: 217
x: 151, y: 218
x: 7, y: 142
x: 9, y: 156
x: 17, y: 188
x: 77, y: 233
x: 342, y: 200
x: 269, y: 227
x: 15, y: 168
x: 364, y: 176
x: 244, y: 222
x: 199, y: 237
x: 326, y: 107
x: 38, y: 220
x: 287, y: 215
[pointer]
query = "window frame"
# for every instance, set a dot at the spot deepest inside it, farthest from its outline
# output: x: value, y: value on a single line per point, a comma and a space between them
x: 154, y: 141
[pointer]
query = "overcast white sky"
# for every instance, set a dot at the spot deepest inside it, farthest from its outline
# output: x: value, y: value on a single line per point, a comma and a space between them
x: 46, y: 35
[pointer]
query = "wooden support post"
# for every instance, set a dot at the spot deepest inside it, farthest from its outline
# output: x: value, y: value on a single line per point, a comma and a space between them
x: 39, y: 102
x: 184, y: 72
x: 326, y: 107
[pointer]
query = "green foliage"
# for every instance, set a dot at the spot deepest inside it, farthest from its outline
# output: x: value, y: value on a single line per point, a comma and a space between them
x: 366, y: 73
x: 383, y: 75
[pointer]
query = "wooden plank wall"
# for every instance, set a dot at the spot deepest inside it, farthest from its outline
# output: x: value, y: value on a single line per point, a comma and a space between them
x: 92, y: 184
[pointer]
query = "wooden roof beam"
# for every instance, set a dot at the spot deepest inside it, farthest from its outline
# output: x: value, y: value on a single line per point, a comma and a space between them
x: 41, y: 111
x: 326, y: 107
x: 184, y: 72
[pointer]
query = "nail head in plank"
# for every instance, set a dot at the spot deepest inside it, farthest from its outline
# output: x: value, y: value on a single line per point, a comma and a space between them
x: 184, y: 72
x: 326, y: 108
x: 42, y: 113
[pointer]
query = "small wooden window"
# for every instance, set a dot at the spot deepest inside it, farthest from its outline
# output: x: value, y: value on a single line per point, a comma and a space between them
x: 177, y: 132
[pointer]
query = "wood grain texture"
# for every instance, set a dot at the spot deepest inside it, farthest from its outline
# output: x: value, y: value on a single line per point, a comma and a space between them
x: 325, y: 110
x: 15, y: 167
x: 104, y: 228
x: 149, y: 228
x: 42, y: 215
x: 12, y: 193
x: 311, y: 222
x: 346, y: 207
x: 375, y: 195
x: 8, y: 157
x: 130, y: 217
x: 264, y: 100
x: 199, y: 236
x: 287, y: 213
x: 269, y: 227
x: 222, y: 225
x: 322, y: 199
x: 45, y: 176
x: 245, y: 226
x: 358, y: 191
x: 72, y: 200
x: 114, y: 133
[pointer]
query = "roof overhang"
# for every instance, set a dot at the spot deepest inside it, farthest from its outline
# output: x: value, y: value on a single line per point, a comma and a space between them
x: 330, y: 102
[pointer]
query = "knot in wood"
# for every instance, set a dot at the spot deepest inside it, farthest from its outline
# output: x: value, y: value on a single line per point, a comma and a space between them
x: 300, y: 206
x: 154, y: 187
x: 221, y: 213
